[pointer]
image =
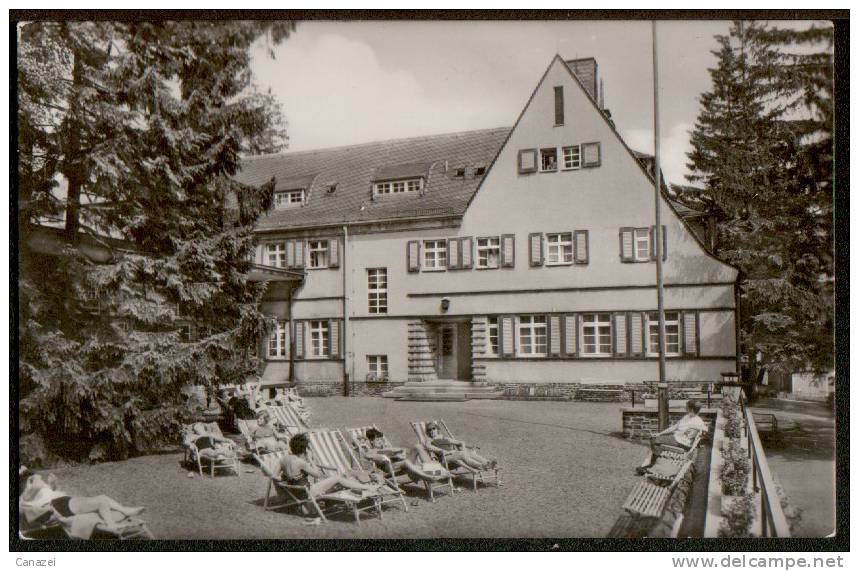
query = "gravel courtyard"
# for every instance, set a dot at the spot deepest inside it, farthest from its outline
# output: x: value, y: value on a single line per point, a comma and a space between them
x: 566, y: 473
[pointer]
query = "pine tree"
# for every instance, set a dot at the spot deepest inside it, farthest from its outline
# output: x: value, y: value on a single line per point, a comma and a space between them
x: 762, y: 159
x: 143, y: 123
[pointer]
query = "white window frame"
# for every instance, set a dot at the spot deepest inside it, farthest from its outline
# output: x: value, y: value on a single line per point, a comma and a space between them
x: 532, y: 325
x: 318, y: 338
x: 594, y: 326
x: 485, y: 247
x: 319, y: 248
x: 399, y: 186
x: 641, y: 244
x: 574, y: 160
x: 377, y: 365
x: 278, y: 342
x: 560, y: 247
x: 377, y: 290
x: 275, y: 254
x: 291, y: 198
x: 492, y: 333
x: 435, y: 251
x: 672, y: 334
x: 547, y: 150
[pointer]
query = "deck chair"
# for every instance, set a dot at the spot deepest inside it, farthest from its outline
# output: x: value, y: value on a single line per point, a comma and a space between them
x: 357, y: 437
x: 482, y: 475
x: 301, y: 496
x: 287, y: 417
x: 49, y: 525
x: 648, y: 499
x: 207, y: 457
x: 329, y: 448
x: 246, y: 429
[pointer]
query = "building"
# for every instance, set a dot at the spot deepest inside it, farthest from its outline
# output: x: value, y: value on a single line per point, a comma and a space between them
x: 509, y: 256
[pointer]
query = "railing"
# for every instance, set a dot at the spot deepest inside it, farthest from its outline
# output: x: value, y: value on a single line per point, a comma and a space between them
x: 773, y: 521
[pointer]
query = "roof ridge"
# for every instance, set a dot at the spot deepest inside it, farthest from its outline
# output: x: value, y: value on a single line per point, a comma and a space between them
x: 369, y: 143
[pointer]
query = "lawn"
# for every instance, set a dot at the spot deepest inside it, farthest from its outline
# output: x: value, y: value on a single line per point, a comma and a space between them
x: 566, y: 473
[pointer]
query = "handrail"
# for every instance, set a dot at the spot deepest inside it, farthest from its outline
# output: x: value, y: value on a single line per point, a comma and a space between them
x: 773, y: 521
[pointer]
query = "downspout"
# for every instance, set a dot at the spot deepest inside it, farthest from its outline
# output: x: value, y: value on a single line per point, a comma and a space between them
x: 346, y: 345
x: 291, y: 379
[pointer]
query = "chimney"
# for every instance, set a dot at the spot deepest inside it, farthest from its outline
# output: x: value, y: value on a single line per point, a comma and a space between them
x: 586, y: 70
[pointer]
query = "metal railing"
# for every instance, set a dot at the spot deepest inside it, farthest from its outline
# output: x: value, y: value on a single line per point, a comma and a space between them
x: 773, y: 521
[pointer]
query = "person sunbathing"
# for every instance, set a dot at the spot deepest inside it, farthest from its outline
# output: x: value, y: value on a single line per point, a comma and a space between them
x: 297, y: 470
x: 456, y: 451
x: 39, y: 493
x: 209, y: 443
x: 681, y: 434
x: 372, y: 448
x: 266, y: 436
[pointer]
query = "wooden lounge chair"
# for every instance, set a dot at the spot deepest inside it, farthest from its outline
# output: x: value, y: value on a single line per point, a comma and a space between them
x: 301, y: 496
x: 648, y: 499
x: 677, y: 453
x: 330, y: 448
x: 49, y: 525
x: 214, y: 461
x: 482, y: 475
x: 358, y: 438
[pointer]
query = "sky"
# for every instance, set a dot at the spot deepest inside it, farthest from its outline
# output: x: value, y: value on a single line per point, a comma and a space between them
x: 343, y: 83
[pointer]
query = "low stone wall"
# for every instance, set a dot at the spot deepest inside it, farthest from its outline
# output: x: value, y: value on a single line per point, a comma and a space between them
x: 539, y: 391
x: 335, y: 388
x: 642, y: 422
x: 592, y: 392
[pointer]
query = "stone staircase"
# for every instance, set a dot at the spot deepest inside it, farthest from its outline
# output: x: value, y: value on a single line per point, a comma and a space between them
x: 444, y: 390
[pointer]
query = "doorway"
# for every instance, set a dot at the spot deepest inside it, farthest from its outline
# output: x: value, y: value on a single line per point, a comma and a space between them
x: 453, y: 350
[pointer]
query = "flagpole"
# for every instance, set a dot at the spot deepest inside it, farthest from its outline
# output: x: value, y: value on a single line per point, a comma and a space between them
x: 657, y: 233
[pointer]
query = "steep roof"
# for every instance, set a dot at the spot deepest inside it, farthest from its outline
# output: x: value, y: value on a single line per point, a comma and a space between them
x: 354, y: 168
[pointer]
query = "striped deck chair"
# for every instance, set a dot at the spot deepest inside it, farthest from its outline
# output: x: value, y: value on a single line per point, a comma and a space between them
x: 287, y: 417
x: 329, y: 448
x: 482, y: 475
x: 193, y: 455
x: 301, y: 496
x: 358, y: 439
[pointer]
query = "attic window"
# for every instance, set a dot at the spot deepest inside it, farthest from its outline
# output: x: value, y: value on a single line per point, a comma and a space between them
x: 397, y: 186
x: 288, y: 198
x: 459, y: 173
x: 549, y: 159
x: 331, y: 188
x: 479, y: 171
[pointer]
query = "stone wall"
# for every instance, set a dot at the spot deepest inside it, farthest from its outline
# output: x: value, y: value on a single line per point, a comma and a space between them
x: 590, y: 392
x: 642, y: 422
x: 356, y: 388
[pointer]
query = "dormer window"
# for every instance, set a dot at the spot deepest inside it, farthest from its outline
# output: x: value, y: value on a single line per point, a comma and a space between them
x: 288, y: 198
x: 397, y: 186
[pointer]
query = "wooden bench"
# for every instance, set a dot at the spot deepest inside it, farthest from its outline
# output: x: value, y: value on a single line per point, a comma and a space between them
x: 648, y: 499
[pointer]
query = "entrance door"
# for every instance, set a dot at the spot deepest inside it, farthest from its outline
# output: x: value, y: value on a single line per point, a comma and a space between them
x: 447, y: 364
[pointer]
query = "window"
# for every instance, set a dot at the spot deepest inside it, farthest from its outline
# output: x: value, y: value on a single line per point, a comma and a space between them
x: 642, y: 244
x: 288, y: 198
x: 278, y: 343
x: 276, y: 254
x: 435, y: 254
x: 532, y: 335
x: 672, y: 333
x: 559, y: 105
x: 548, y: 160
x: 596, y: 334
x: 318, y: 338
x: 317, y: 253
x: 377, y: 290
x: 488, y: 252
x: 527, y: 161
x: 492, y: 336
x: 572, y: 157
x: 398, y: 186
x: 378, y: 366
x: 559, y: 248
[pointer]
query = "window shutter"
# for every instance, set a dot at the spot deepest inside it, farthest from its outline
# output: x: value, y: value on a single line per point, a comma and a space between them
x: 626, y: 253
x: 559, y: 105
x: 508, y: 250
x: 527, y: 161
x: 664, y: 243
x: 453, y: 254
x: 620, y: 337
x: 581, y: 237
x: 508, y: 347
x: 290, y: 254
x: 334, y: 253
x: 299, y: 253
x: 334, y: 337
x: 636, y: 334
x: 413, y: 253
x: 535, y: 239
x: 570, y: 330
x: 465, y: 247
x: 690, y: 333
x: 299, y: 339
x: 591, y: 156
x: 554, y: 334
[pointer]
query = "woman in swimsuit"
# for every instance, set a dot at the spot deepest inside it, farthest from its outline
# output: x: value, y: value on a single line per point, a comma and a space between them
x: 297, y: 467
x: 41, y: 492
x: 455, y: 451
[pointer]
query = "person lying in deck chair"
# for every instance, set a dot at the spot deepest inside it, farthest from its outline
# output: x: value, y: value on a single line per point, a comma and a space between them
x: 373, y: 449
x: 297, y: 467
x: 39, y: 493
x: 218, y: 446
x: 266, y: 436
x: 455, y: 451
x: 680, y: 434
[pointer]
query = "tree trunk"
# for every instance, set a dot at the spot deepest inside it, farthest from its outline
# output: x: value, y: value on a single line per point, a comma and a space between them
x: 73, y: 164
